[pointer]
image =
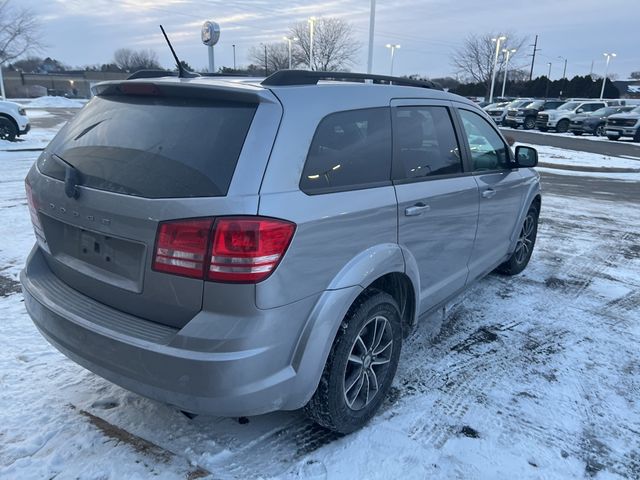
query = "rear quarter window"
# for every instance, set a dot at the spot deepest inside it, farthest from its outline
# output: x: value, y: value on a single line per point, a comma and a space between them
x: 154, y: 147
x: 349, y: 150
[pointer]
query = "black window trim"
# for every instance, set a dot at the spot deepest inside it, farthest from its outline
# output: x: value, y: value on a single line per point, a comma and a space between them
x: 462, y: 106
x: 395, y: 168
x: 353, y: 187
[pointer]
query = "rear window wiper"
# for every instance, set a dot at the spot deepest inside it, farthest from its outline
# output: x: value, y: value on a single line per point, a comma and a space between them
x: 72, y: 177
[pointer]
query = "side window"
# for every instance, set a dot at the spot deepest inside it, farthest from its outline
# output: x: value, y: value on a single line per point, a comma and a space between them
x: 592, y: 107
x: 424, y: 143
x: 350, y: 149
x: 488, y: 151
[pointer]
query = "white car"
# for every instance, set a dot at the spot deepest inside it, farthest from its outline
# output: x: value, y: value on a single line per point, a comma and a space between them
x: 13, y: 120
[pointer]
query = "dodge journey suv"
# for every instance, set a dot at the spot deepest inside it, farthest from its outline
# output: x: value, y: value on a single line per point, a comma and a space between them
x: 234, y: 247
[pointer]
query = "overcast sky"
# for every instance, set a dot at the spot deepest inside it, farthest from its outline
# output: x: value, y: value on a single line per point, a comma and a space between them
x: 81, y: 32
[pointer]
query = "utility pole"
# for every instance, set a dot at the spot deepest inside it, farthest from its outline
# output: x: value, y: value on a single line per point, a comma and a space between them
x: 372, y: 22
x: 495, y: 64
x: 533, y: 56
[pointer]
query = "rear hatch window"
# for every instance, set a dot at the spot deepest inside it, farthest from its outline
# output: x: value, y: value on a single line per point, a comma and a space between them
x: 153, y: 147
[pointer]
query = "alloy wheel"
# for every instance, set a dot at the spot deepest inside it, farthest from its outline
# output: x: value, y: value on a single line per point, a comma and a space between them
x: 368, y: 362
x: 524, y: 246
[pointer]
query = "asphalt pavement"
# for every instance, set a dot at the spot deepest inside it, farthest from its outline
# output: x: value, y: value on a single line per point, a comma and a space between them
x: 621, y: 148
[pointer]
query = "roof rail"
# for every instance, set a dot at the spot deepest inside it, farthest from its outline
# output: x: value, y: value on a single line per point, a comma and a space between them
x: 308, y: 77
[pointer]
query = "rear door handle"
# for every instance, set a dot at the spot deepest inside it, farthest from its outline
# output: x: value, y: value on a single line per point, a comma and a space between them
x: 417, y: 209
x: 488, y: 193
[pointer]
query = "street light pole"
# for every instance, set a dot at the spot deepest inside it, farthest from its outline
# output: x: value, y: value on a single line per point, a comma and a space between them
x: 546, y: 92
x: 506, y: 68
x: 289, y: 40
x: 393, y: 48
x: 2, y: 95
x: 372, y: 23
x: 311, y: 21
x: 606, y: 72
x: 564, y: 74
x: 234, y: 56
x: 495, y: 64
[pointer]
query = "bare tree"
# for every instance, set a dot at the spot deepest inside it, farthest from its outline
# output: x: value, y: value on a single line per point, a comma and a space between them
x: 132, y: 60
x: 277, y: 56
x: 19, y: 30
x: 475, y: 58
x: 334, y: 46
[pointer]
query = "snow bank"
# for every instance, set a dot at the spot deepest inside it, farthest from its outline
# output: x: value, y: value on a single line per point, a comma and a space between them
x: 55, y: 102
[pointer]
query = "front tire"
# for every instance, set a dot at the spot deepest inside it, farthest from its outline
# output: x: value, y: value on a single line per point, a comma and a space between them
x: 613, y: 137
x: 8, y: 130
x: 361, y: 365
x: 600, y: 130
x: 529, y: 123
x: 562, y: 126
x: 524, y: 246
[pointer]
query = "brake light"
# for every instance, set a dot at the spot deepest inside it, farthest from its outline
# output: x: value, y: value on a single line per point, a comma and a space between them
x: 231, y: 249
x: 248, y: 249
x: 32, y: 207
x: 181, y: 247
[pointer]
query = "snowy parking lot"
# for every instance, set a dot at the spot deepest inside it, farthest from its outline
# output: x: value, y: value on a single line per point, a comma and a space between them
x: 529, y: 377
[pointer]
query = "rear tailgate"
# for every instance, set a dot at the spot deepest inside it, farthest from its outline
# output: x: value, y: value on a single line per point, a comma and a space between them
x: 156, y: 152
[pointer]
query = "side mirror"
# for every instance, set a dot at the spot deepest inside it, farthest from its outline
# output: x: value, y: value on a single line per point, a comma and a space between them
x: 526, y: 157
x: 580, y: 110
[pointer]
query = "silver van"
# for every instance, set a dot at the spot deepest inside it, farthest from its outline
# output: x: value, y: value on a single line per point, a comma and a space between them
x: 235, y: 246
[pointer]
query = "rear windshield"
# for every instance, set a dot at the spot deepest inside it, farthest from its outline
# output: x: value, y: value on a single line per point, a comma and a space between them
x: 154, y: 147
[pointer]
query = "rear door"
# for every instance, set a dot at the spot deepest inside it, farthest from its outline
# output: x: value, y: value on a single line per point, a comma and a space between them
x: 437, y: 198
x: 137, y: 159
x: 501, y: 190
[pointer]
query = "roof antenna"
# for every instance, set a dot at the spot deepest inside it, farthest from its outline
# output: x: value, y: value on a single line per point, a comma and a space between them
x: 182, y: 72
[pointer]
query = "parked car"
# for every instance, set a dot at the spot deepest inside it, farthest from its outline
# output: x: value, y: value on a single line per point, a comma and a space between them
x: 499, y: 112
x: 624, y: 125
x: 13, y: 121
x: 525, y: 116
x: 594, y: 122
x: 232, y: 247
x: 560, y: 118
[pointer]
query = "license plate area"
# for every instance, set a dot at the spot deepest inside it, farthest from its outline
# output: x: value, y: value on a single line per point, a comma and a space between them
x: 104, y: 258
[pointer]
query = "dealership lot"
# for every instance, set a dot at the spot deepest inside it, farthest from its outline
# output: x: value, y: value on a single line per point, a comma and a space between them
x: 528, y: 377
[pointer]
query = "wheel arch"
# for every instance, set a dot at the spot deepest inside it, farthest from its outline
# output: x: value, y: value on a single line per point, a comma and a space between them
x: 12, y: 120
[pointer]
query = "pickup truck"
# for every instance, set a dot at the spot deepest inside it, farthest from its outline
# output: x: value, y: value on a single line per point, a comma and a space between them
x: 560, y: 118
x: 525, y: 116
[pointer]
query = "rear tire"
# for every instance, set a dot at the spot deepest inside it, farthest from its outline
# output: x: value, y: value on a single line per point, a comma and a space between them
x: 577, y: 134
x: 8, y: 130
x: 562, y: 126
x: 636, y: 137
x: 361, y: 365
x: 524, y: 246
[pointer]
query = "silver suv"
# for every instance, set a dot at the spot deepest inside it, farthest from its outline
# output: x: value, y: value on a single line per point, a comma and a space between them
x: 234, y: 247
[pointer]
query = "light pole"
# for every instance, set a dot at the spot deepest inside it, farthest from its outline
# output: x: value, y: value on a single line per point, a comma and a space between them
x: 372, y: 23
x: 506, y: 68
x: 289, y: 40
x: 564, y: 74
x: 546, y: 92
x: 495, y: 64
x: 393, y: 48
x: 606, y: 72
x: 312, y: 22
x: 234, y: 56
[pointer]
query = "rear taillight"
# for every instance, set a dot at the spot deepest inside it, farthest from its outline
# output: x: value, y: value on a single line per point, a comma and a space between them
x: 247, y: 249
x: 181, y: 247
x: 233, y: 249
x: 35, y: 219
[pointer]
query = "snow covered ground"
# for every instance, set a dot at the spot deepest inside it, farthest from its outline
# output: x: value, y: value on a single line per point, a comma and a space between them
x: 571, y: 135
x: 51, y: 102
x: 535, y: 376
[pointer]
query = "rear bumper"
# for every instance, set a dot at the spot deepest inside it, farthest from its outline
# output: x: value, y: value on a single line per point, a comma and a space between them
x: 250, y: 369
